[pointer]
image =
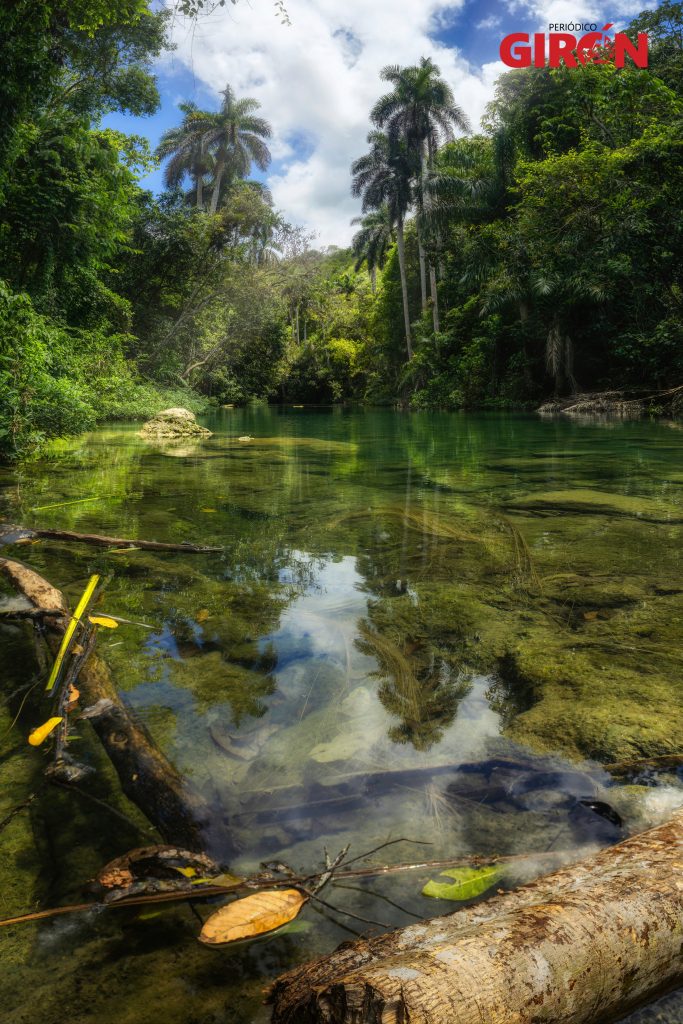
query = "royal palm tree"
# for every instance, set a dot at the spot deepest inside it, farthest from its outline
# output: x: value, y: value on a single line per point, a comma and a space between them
x: 420, y: 109
x: 234, y: 136
x: 185, y: 148
x: 383, y: 177
x: 371, y: 244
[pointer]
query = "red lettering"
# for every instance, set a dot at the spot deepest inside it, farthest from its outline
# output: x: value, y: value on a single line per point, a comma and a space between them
x: 519, y: 57
x: 539, y: 50
x: 561, y: 46
x: 587, y: 48
x: 623, y: 46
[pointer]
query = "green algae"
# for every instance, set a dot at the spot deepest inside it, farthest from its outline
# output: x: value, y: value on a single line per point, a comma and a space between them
x: 395, y: 593
x: 594, y: 502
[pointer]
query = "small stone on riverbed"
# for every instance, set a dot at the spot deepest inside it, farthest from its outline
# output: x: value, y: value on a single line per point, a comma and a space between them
x: 172, y: 424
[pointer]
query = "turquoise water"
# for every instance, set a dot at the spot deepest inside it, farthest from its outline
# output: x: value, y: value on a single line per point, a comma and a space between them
x: 433, y: 626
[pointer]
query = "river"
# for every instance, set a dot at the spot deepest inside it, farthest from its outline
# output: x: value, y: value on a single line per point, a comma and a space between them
x: 436, y: 627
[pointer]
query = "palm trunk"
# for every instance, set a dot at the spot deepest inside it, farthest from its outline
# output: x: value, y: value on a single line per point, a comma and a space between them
x: 423, y: 271
x: 435, y: 298
x: 400, y: 243
x: 200, y: 192
x: 220, y: 168
x: 426, y: 165
x: 420, y: 247
x: 373, y: 278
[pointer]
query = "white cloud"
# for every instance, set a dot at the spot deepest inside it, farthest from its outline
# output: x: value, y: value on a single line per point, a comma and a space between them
x: 551, y: 12
x: 492, y: 21
x: 316, y: 82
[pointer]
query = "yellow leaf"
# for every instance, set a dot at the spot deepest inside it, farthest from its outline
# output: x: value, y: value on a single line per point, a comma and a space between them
x: 209, y: 510
x: 187, y: 872
x: 42, y: 732
x: 251, y: 916
x: 202, y: 615
x: 70, y: 629
x: 103, y: 620
x: 72, y: 701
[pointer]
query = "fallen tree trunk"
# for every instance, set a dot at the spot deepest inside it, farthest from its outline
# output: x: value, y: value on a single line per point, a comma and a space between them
x: 147, y: 777
x: 586, y: 943
x: 101, y: 540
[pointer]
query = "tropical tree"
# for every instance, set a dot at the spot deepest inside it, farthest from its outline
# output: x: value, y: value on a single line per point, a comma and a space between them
x: 185, y: 148
x: 216, y: 147
x: 421, y: 110
x: 383, y: 177
x: 235, y: 136
x: 371, y: 244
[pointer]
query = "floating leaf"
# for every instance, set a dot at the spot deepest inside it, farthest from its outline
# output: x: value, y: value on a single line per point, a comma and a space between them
x: 103, y: 620
x: 209, y: 510
x: 70, y: 629
x: 226, y: 879
x: 254, y: 915
x: 187, y: 872
x: 41, y: 733
x: 202, y: 615
x: 468, y: 883
x: 123, y: 551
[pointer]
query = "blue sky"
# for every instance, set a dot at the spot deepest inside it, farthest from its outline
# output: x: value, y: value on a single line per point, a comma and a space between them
x: 317, y: 79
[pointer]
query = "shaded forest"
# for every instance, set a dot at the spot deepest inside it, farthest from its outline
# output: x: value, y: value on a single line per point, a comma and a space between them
x: 538, y: 254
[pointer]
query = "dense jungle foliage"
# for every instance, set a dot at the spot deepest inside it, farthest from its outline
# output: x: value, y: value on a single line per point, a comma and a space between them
x: 535, y: 257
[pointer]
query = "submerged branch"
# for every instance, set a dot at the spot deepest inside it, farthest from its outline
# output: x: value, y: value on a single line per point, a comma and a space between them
x: 147, y: 777
x: 104, y: 541
x: 210, y: 891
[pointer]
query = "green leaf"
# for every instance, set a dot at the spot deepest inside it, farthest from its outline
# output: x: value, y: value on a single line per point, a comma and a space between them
x: 468, y: 883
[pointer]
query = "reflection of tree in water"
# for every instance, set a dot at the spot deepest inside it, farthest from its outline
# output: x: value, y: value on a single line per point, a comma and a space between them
x: 420, y: 685
x: 415, y: 629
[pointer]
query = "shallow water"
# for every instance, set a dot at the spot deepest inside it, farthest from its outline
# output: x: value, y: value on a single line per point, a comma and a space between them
x: 437, y: 627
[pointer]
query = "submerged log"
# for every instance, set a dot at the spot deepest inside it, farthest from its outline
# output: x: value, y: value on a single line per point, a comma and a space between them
x: 587, y: 943
x: 148, y: 778
x: 102, y: 540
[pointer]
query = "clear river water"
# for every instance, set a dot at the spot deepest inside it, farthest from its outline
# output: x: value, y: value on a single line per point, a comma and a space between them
x: 445, y: 628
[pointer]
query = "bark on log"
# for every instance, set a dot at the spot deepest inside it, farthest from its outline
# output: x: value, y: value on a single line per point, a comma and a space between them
x: 584, y: 944
x: 147, y: 777
x: 101, y: 540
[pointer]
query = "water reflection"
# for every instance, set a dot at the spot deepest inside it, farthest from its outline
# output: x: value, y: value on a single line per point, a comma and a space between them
x: 425, y: 626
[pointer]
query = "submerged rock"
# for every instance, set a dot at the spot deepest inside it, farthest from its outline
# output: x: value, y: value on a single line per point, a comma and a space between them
x: 170, y: 424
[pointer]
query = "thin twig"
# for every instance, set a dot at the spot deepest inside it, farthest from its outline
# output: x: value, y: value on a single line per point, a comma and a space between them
x: 16, y: 810
x: 391, y: 842
x: 345, y: 913
x: 379, y: 896
x: 103, y: 803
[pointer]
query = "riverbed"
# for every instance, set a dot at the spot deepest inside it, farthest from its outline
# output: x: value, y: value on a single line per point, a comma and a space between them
x: 430, y: 627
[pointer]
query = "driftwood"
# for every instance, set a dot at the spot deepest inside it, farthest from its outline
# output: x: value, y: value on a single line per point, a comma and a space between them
x: 103, y: 541
x: 147, y: 777
x: 586, y: 943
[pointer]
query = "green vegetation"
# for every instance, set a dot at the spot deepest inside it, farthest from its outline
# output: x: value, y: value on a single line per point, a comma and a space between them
x: 538, y: 257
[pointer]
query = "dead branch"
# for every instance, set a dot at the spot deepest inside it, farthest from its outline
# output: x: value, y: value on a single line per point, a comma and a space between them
x: 104, y: 541
x: 148, y: 778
